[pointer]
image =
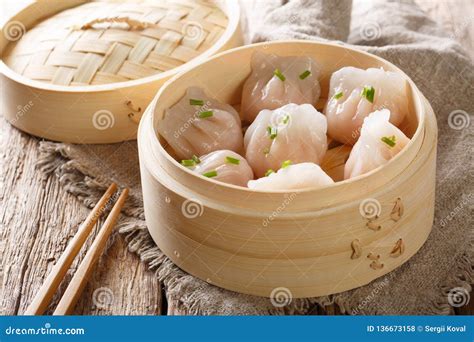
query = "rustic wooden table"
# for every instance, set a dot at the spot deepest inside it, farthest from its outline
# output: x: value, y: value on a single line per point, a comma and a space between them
x: 38, y: 218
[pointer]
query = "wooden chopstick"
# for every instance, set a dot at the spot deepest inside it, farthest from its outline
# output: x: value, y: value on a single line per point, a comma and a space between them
x: 80, y: 278
x: 42, y: 299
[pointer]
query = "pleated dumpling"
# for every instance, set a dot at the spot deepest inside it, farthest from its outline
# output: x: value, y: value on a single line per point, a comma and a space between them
x: 292, y: 132
x: 293, y: 177
x: 355, y: 93
x: 379, y: 141
x: 223, y: 165
x: 276, y: 81
x: 199, y: 124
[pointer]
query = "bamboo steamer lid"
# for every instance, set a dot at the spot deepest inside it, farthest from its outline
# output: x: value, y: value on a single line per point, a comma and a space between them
x: 76, y: 49
x: 105, y: 42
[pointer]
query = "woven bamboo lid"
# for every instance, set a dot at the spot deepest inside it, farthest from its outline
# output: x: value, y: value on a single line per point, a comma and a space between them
x: 108, y: 41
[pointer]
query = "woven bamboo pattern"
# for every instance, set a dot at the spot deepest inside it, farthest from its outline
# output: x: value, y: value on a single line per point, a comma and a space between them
x: 107, y: 41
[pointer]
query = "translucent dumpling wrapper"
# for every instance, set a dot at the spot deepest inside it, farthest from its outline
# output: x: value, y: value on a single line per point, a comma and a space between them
x: 276, y: 81
x: 293, y: 177
x: 199, y: 124
x: 379, y: 142
x: 355, y: 93
x: 292, y: 132
x: 224, y: 165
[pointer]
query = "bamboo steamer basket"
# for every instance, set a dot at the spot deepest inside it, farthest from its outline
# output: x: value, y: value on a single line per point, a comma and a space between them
x: 302, y: 243
x: 81, y: 72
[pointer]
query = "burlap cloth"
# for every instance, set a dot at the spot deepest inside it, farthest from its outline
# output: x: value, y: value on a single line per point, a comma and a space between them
x: 397, y: 31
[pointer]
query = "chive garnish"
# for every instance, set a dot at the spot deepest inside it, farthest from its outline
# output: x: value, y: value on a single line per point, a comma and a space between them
x: 286, y: 163
x: 206, y: 114
x: 188, y: 162
x: 210, y: 174
x: 233, y: 160
x: 278, y: 74
x: 390, y: 141
x: 269, y: 172
x: 338, y: 95
x: 368, y: 92
x: 272, y: 132
x: 196, y: 159
x: 196, y: 102
x: 305, y: 74
x: 286, y: 118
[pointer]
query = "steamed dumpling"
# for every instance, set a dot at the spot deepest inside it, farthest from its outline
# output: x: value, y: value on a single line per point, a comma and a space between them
x: 379, y: 142
x: 292, y: 132
x: 276, y: 81
x: 199, y: 124
x: 293, y: 177
x: 354, y: 93
x: 225, y: 166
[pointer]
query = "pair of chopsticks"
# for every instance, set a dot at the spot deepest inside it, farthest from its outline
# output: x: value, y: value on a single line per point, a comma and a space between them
x: 70, y: 297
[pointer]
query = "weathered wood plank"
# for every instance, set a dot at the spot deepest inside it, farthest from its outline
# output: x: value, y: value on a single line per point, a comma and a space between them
x: 38, y: 219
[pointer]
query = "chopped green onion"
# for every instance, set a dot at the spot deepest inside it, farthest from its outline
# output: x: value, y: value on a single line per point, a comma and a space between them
x: 269, y: 172
x: 196, y: 159
x: 266, y: 151
x: 368, y: 92
x: 338, y: 95
x: 206, y: 114
x: 210, y: 174
x: 305, y: 74
x: 278, y: 74
x: 286, y: 163
x: 233, y: 160
x: 286, y: 118
x: 390, y: 141
x: 195, y: 102
x: 188, y: 162
x: 272, y: 132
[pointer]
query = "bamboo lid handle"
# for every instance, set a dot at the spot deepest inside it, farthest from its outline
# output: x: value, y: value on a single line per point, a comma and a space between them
x: 132, y: 23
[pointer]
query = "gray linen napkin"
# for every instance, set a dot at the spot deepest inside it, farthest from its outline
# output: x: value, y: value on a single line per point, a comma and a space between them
x: 397, y: 31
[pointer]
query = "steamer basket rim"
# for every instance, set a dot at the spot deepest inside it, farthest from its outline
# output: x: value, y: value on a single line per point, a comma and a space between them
x: 417, y: 99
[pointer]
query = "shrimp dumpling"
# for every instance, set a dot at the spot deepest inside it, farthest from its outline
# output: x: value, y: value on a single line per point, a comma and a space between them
x: 223, y: 165
x: 379, y: 142
x: 293, y: 177
x: 355, y: 93
x: 199, y: 124
x: 292, y: 132
x: 276, y: 81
